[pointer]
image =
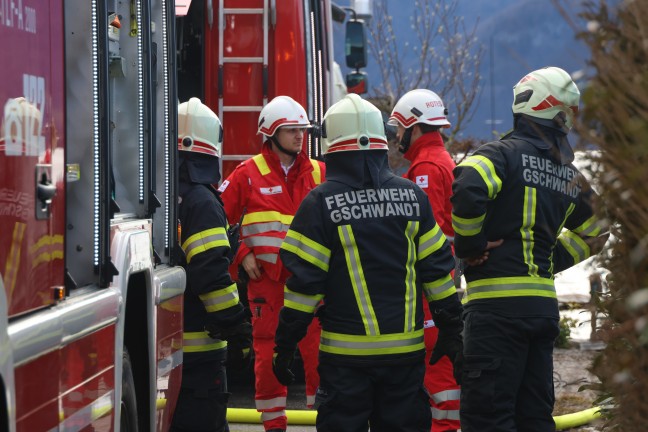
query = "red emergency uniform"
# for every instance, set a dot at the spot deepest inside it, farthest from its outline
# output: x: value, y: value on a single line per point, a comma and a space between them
x: 268, y: 198
x: 431, y: 169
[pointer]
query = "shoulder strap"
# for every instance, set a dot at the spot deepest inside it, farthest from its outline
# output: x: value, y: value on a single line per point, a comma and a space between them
x: 261, y: 164
x: 317, y: 171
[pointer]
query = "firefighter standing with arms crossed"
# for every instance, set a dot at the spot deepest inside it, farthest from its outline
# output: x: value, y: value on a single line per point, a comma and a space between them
x: 419, y: 115
x: 267, y: 190
x: 521, y: 213
x: 215, y: 322
x: 367, y: 245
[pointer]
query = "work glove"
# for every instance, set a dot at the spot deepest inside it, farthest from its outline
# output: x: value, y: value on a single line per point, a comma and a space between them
x: 450, y: 341
x: 239, y: 340
x: 281, y: 364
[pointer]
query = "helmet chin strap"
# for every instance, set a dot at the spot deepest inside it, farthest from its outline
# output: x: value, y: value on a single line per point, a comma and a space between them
x: 405, y: 141
x: 275, y: 141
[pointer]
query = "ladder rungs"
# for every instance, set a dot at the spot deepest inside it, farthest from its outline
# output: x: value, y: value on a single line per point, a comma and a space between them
x: 251, y: 108
x: 243, y: 11
x: 242, y: 59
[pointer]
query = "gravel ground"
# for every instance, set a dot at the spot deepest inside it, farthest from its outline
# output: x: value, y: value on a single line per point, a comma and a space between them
x: 569, y: 375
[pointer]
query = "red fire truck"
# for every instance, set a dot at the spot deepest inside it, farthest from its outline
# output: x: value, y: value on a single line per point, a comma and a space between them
x: 236, y: 55
x: 90, y: 296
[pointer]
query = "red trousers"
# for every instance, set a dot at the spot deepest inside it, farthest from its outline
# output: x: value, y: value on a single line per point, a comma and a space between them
x: 266, y: 299
x: 440, y: 382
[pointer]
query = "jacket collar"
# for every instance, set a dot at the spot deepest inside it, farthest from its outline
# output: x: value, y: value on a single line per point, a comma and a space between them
x: 275, y: 163
x: 430, y: 142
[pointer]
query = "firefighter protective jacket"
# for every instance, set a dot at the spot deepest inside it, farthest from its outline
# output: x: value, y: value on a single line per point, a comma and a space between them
x: 211, y: 294
x: 259, y: 190
x: 431, y: 169
x: 368, y: 251
x: 515, y: 190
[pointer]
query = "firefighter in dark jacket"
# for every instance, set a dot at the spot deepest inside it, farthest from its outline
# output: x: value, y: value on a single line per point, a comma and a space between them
x: 365, y: 243
x: 521, y: 213
x: 213, y: 315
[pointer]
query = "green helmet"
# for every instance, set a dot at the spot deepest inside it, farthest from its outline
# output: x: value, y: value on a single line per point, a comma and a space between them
x: 548, y: 93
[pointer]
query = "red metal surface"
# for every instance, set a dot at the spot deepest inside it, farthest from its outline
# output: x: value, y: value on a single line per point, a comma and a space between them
x: 81, y: 372
x: 31, y: 251
x: 169, y: 330
x: 243, y: 82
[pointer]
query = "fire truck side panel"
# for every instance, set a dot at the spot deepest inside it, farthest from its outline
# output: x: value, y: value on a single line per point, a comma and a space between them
x: 37, y: 396
x: 31, y: 131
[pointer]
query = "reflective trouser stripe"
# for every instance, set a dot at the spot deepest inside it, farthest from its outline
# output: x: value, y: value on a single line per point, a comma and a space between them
x: 269, y: 404
x: 446, y: 395
x: 439, y: 414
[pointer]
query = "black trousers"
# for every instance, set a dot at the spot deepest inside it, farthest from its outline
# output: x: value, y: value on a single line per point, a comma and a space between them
x: 202, y: 404
x: 387, y: 398
x: 507, y: 379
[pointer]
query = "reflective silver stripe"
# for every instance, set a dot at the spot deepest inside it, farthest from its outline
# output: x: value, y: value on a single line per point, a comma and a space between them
x: 267, y: 416
x: 438, y: 414
x: 410, y: 276
x: 510, y: 287
x: 431, y: 242
x: 591, y: 227
x: 310, y: 400
x: 258, y: 241
x: 299, y: 245
x: 271, y: 258
x: 526, y: 230
x: 302, y: 302
x: 357, y: 280
x: 446, y: 395
x: 486, y: 170
x: 221, y: 299
x: 371, y: 343
x: 205, y: 240
x: 570, y: 209
x: 265, y: 404
x: 260, y: 228
x: 575, y: 245
x: 434, y: 289
x: 89, y: 413
x: 467, y: 226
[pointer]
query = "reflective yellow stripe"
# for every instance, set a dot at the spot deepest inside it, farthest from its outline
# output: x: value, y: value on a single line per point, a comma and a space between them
x: 362, y: 345
x: 205, y: 240
x: 570, y: 209
x: 358, y: 281
x: 201, y: 342
x: 515, y: 286
x: 301, y: 302
x: 307, y: 249
x: 486, y: 170
x: 261, y: 164
x: 526, y: 230
x: 220, y: 299
x: 439, y: 289
x: 589, y: 228
x: 317, y: 172
x: 467, y: 226
x: 430, y: 242
x: 410, y: 276
x: 576, y: 246
x: 267, y: 216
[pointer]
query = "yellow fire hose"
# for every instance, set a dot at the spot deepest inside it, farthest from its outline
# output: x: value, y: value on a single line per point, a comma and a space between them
x: 304, y: 417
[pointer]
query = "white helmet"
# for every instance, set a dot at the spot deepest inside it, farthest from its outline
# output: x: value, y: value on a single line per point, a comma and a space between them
x: 199, y: 129
x: 545, y: 94
x: 282, y: 111
x: 353, y: 124
x: 419, y: 106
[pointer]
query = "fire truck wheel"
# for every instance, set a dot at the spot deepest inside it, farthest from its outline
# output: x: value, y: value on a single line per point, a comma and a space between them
x: 128, y: 420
